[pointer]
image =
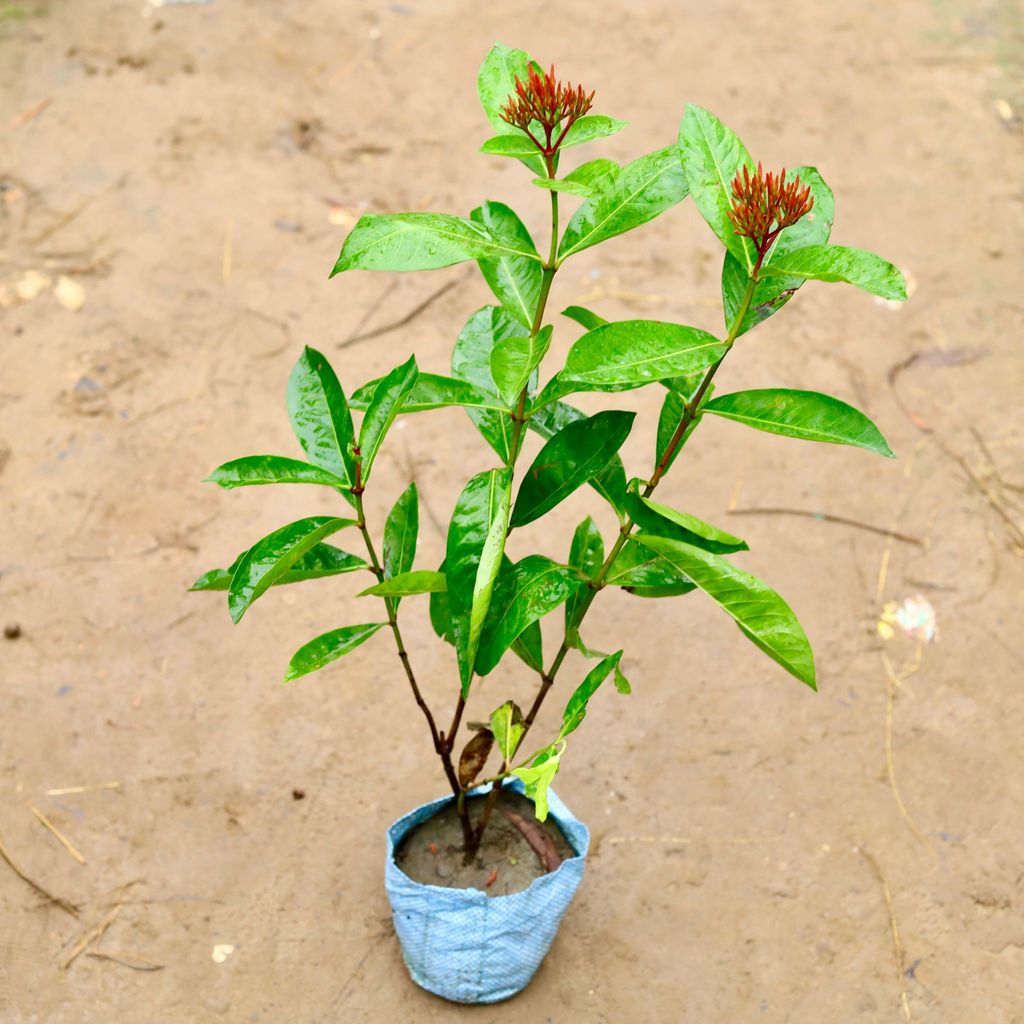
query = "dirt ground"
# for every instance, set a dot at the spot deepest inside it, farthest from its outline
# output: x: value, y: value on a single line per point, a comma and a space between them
x: 761, y: 853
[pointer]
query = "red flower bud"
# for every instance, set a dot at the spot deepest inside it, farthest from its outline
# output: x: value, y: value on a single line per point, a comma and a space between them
x: 548, y: 102
x: 763, y: 205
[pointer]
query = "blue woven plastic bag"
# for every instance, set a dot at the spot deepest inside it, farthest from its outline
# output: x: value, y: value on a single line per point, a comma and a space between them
x: 470, y: 947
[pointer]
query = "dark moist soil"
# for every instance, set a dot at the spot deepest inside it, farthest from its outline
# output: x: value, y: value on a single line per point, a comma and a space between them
x: 505, y: 863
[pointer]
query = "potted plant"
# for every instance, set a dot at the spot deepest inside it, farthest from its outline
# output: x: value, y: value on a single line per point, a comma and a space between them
x: 472, y: 928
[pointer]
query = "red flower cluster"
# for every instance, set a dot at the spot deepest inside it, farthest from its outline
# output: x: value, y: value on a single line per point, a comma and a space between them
x: 544, y: 99
x: 763, y: 205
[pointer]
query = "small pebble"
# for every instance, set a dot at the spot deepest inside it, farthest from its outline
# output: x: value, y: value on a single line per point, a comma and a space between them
x: 12, y: 630
x: 298, y: 794
x: 443, y: 871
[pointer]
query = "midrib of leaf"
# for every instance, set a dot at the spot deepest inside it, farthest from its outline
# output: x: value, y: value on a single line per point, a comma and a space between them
x: 802, y: 433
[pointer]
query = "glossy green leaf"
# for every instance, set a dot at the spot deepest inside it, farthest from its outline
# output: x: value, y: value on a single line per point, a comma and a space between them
x: 507, y: 726
x: 807, y: 415
x: 586, y: 556
x: 405, y: 584
x: 419, y: 241
x: 471, y: 361
x: 513, y: 361
x: 578, y: 452
x: 320, y: 415
x: 636, y: 352
x: 610, y: 482
x: 663, y: 521
x: 576, y: 709
x: 496, y: 82
x: 537, y: 777
x: 515, y: 280
x: 320, y: 560
x: 529, y: 647
x: 841, y: 263
x: 328, y: 647
x: 671, y: 415
x: 510, y: 145
x: 587, y: 180
x: 638, y: 570
x: 441, y: 613
x: 270, y: 558
x: 759, y: 612
x: 642, y: 190
x: 272, y: 469
x: 772, y: 293
x: 476, y: 543
x: 711, y: 156
x: 584, y: 317
x: 401, y: 529
x: 522, y: 595
x: 385, y: 405
x: 433, y: 391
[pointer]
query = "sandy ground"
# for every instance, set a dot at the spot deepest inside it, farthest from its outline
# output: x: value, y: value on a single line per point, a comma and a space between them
x: 752, y: 861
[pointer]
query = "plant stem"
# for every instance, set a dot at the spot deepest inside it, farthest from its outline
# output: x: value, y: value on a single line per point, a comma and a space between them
x: 443, y: 750
x: 519, y: 420
x: 598, y: 583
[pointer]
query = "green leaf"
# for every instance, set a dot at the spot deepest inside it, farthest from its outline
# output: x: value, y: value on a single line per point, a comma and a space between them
x: 476, y: 543
x: 507, y: 726
x: 662, y: 521
x: 320, y: 560
x: 681, y: 390
x: 328, y: 647
x: 841, y: 263
x: 387, y: 400
x: 513, y: 361
x: 610, y: 482
x: 576, y: 709
x: 270, y: 558
x: 419, y: 241
x: 772, y: 293
x: 578, y: 452
x: 587, y: 180
x: 433, y: 391
x: 711, y: 156
x: 586, y: 556
x: 643, y: 189
x: 401, y: 529
x: 522, y: 595
x: 471, y: 361
x: 759, y: 612
x: 272, y: 469
x: 441, y: 613
x: 320, y: 415
x: 496, y: 82
x: 515, y: 280
x: 641, y: 571
x: 621, y: 682
x: 584, y: 317
x: 538, y: 776
x: 636, y: 352
x: 509, y: 145
x: 807, y: 415
x: 404, y: 584
x: 529, y: 646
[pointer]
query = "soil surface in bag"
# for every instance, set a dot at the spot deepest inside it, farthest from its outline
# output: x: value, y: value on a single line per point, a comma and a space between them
x: 432, y: 852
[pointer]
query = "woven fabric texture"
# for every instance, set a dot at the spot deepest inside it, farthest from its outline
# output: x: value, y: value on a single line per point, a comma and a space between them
x: 469, y: 947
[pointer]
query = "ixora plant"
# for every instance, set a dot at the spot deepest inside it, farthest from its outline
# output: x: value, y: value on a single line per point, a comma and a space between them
x: 464, y: 936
